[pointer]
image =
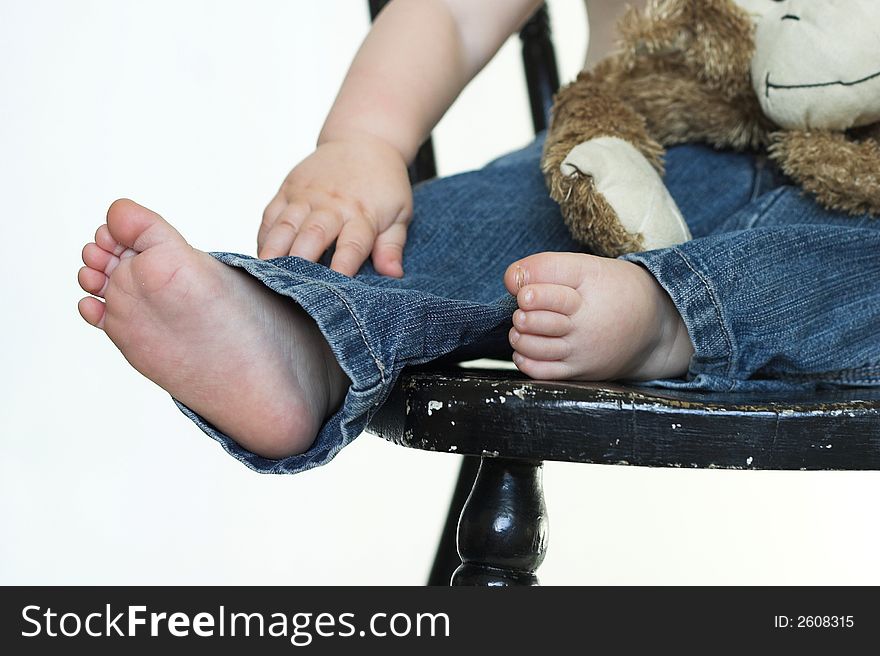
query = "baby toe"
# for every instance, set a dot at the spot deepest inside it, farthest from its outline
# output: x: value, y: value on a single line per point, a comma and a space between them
x: 542, y: 370
x: 96, y: 257
x: 542, y: 322
x: 92, y: 281
x: 568, y: 269
x: 553, y: 298
x: 537, y: 347
x: 105, y: 240
x: 515, y: 278
x: 92, y: 310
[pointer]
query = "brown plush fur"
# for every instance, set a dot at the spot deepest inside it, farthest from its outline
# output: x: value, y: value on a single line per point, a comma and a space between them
x: 843, y: 174
x: 682, y: 75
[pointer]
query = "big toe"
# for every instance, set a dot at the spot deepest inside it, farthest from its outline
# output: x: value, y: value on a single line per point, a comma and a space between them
x: 137, y: 227
x: 567, y: 269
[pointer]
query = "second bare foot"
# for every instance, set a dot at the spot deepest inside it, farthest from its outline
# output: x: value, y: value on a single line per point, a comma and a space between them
x: 584, y: 317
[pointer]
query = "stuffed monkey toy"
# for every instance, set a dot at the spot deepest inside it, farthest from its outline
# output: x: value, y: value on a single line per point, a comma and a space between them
x: 797, y: 78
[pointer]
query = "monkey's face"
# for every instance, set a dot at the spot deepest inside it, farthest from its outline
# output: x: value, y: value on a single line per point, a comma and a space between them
x: 817, y: 62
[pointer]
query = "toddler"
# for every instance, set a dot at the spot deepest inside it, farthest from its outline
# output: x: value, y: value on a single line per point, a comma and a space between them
x: 284, y: 360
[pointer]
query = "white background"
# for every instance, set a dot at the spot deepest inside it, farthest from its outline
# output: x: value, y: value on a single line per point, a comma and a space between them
x: 198, y: 109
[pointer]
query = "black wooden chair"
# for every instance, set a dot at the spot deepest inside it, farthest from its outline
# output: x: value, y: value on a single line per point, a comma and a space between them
x: 505, y: 425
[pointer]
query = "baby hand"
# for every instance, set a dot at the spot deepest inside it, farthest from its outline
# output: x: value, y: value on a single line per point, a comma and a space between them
x: 355, y: 192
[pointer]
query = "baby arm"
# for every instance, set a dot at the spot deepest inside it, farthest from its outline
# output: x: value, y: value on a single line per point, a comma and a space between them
x: 353, y: 189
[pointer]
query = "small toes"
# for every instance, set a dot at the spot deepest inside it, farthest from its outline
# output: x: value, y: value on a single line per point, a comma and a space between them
x: 96, y: 257
x: 539, y: 348
x: 542, y: 322
x: 542, y: 370
x: 92, y: 310
x: 92, y: 281
x: 555, y: 298
x: 105, y: 240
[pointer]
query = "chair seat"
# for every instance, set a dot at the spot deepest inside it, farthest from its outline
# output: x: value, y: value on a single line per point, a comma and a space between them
x: 503, y: 414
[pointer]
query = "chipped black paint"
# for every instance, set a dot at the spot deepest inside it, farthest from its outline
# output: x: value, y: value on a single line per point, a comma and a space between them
x: 501, y: 414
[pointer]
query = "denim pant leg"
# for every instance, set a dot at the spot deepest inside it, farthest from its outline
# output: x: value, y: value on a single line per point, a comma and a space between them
x: 466, y: 230
x: 710, y: 185
x: 780, y: 294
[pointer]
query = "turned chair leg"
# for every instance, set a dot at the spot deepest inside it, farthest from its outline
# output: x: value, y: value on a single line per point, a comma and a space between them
x: 502, y: 533
x: 446, y: 559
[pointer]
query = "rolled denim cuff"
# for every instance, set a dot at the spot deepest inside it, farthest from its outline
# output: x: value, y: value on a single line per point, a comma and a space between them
x: 374, y: 330
x: 351, y: 345
x: 697, y: 301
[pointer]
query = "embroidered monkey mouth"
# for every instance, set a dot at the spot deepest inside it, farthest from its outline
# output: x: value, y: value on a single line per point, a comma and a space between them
x: 769, y: 85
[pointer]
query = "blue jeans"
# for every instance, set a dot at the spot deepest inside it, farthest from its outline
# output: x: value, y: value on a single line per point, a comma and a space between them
x: 776, y: 292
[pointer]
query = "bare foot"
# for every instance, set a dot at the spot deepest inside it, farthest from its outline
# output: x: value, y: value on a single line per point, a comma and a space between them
x: 251, y: 362
x: 593, y: 318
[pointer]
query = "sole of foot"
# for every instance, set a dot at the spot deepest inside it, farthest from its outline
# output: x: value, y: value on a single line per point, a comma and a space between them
x: 248, y: 360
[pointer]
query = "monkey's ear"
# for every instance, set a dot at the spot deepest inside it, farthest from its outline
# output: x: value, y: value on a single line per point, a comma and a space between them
x: 713, y: 38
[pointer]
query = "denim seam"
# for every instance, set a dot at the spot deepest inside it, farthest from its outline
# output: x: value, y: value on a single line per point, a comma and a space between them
x: 867, y: 374
x: 715, y: 304
x: 775, y: 196
x: 361, y: 330
x: 758, y: 169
